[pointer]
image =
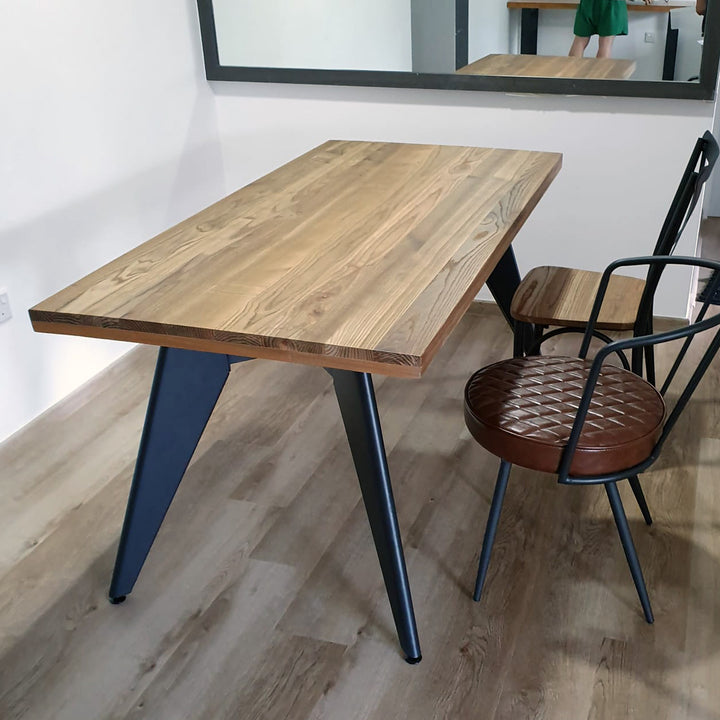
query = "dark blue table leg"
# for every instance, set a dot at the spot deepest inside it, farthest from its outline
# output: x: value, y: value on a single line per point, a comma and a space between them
x: 356, y: 397
x: 186, y: 387
x: 502, y: 283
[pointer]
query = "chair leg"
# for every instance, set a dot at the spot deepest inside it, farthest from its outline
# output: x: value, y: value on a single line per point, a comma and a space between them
x: 521, y: 333
x: 536, y: 335
x: 640, y: 497
x: 629, y: 547
x: 650, y: 364
x: 491, y: 527
x: 538, y: 332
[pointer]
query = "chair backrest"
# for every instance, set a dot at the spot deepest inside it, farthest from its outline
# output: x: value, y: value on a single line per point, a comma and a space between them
x: 688, y: 332
x: 698, y: 171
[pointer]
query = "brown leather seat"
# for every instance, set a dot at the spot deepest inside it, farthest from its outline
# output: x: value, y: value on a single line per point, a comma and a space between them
x: 522, y: 410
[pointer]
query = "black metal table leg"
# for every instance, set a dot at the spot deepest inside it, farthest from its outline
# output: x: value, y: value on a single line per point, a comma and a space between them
x: 356, y: 397
x: 185, y: 389
x: 529, y: 18
x: 671, y: 45
x: 502, y: 283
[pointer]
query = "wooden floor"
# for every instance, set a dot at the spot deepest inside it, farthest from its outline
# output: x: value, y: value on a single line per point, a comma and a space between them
x: 262, y: 596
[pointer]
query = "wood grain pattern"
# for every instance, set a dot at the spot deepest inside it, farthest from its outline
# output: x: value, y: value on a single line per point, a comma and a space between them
x: 656, y: 7
x: 551, y: 66
x: 262, y: 597
x: 564, y: 296
x: 357, y: 255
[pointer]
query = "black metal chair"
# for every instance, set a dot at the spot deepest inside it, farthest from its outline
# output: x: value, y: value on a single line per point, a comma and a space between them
x: 562, y: 297
x: 586, y: 421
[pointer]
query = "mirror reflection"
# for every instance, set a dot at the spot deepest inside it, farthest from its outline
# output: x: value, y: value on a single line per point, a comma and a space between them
x: 480, y: 37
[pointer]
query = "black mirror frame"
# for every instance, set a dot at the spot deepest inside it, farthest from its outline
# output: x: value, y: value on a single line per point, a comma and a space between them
x: 702, y: 90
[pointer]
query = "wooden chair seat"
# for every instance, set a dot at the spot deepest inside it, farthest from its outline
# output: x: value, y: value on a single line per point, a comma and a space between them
x: 523, y: 410
x: 564, y: 297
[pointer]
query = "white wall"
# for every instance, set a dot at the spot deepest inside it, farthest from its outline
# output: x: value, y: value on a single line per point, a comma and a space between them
x: 689, y: 54
x: 109, y: 136
x: 711, y: 206
x: 622, y: 157
x: 112, y: 135
x: 343, y: 34
x: 489, y: 28
x: 433, y: 36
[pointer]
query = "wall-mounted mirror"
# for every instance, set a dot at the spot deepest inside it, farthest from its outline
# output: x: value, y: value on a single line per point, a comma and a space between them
x: 498, y: 45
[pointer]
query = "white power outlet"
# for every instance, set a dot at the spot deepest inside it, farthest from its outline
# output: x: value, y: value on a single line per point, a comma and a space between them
x: 649, y: 37
x: 5, y: 312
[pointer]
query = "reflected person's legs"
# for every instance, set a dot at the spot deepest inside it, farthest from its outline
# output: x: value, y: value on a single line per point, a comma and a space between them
x: 578, y: 46
x: 605, y: 46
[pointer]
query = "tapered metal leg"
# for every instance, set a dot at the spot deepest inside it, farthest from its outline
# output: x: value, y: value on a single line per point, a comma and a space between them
x: 502, y: 283
x: 538, y: 333
x: 491, y: 527
x: 636, y: 361
x: 629, y: 548
x: 186, y: 387
x: 648, y: 353
x: 640, y: 497
x: 356, y: 398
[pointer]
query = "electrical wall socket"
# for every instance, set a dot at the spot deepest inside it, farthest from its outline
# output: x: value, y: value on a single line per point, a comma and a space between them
x: 649, y: 37
x: 5, y: 312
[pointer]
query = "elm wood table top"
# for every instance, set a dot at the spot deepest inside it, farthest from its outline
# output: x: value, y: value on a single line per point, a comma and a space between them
x: 357, y: 255
x: 572, y: 4
x: 551, y: 66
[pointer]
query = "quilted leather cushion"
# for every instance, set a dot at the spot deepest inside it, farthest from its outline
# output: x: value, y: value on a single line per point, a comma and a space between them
x: 523, y: 410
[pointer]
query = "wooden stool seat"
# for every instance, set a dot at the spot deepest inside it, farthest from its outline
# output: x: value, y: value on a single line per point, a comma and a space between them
x: 564, y: 296
x: 523, y: 411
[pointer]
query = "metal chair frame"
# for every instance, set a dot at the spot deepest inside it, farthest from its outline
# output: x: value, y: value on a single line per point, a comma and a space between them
x: 697, y: 172
x: 657, y: 264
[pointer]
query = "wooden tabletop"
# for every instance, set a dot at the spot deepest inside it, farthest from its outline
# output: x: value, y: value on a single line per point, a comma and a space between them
x: 551, y: 66
x: 572, y: 4
x: 357, y: 255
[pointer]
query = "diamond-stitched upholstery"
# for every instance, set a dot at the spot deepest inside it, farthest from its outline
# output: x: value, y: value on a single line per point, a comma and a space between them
x: 523, y: 410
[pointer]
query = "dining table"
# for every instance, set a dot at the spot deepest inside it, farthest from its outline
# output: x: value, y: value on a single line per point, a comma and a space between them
x: 358, y: 257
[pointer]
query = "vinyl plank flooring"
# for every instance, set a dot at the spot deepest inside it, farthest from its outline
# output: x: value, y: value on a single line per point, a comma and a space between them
x: 262, y: 596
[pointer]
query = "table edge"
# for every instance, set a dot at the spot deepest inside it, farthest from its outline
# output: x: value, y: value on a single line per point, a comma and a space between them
x: 392, y: 364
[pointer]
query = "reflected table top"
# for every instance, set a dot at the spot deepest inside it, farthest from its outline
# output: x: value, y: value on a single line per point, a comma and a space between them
x: 551, y: 67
